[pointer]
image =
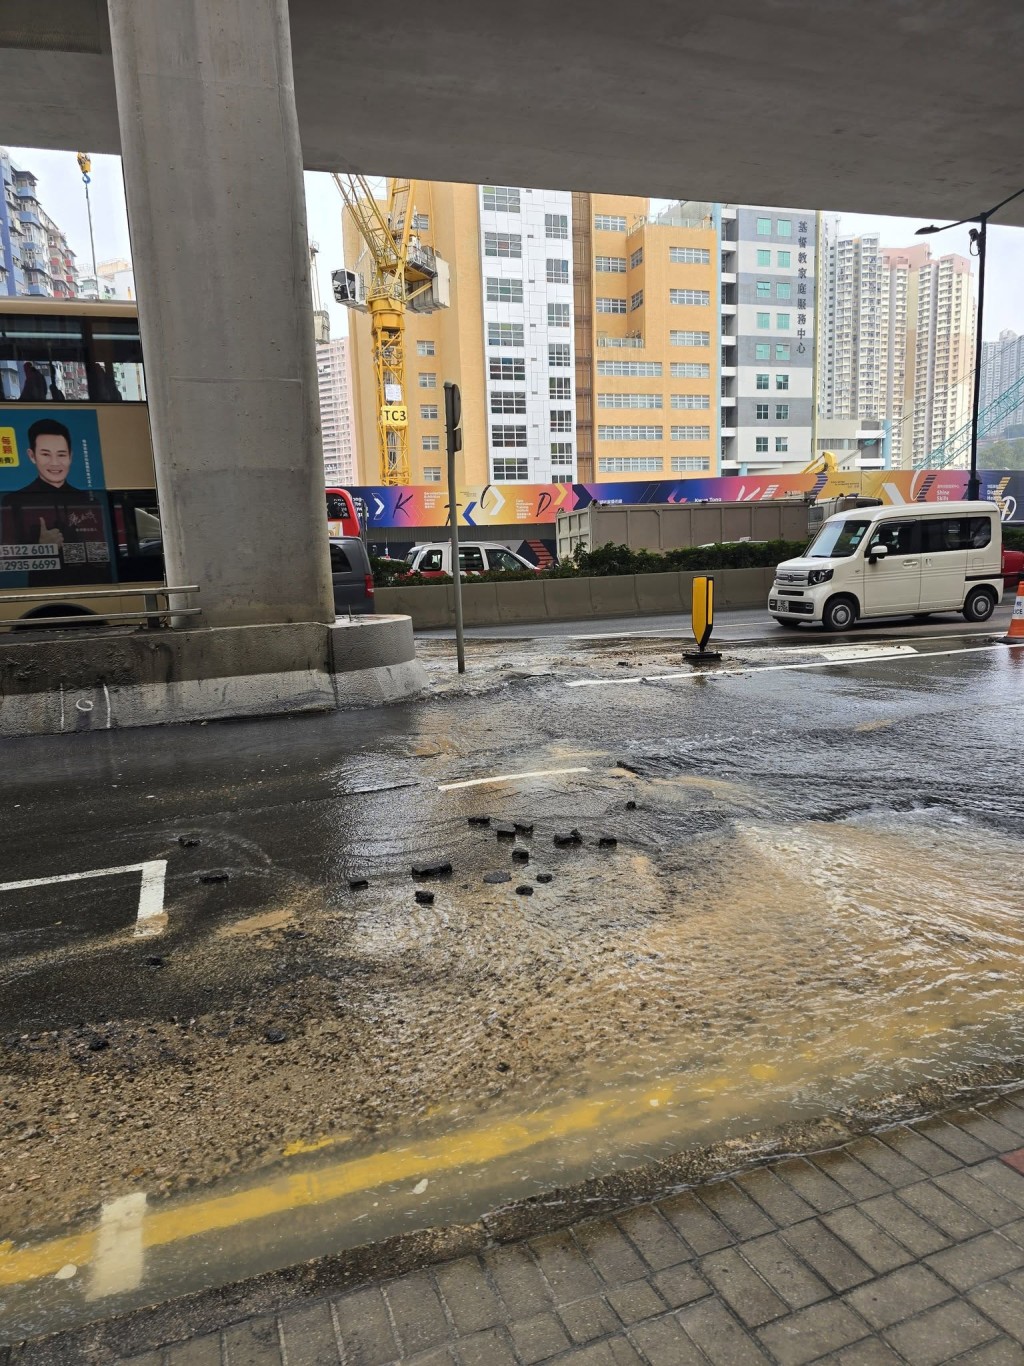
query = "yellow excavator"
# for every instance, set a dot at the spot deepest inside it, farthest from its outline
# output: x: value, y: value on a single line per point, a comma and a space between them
x: 406, y: 274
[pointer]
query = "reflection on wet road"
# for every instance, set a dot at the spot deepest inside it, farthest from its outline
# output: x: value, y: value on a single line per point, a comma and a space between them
x: 807, y: 902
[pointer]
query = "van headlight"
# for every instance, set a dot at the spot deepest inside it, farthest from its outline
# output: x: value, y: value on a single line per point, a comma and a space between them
x: 819, y: 575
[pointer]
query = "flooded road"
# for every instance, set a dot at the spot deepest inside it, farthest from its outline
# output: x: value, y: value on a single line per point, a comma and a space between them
x: 811, y: 911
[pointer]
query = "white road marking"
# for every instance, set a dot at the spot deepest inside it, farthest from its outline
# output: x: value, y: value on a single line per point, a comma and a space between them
x: 118, y: 1260
x: 753, y: 669
x: 841, y: 653
x: 506, y: 778
x: 151, y: 917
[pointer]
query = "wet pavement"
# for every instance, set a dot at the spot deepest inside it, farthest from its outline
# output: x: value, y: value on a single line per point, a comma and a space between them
x: 220, y: 1058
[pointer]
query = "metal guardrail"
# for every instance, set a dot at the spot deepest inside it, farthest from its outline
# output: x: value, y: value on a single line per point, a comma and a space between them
x: 154, y: 616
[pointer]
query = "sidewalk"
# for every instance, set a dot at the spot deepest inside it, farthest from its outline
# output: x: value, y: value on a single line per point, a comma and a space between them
x: 904, y: 1246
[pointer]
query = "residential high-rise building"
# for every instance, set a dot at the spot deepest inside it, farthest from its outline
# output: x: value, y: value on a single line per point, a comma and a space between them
x: 337, y: 412
x: 769, y: 330
x: 940, y: 339
x: 34, y: 254
x: 1002, y: 365
x: 850, y: 319
x: 899, y: 301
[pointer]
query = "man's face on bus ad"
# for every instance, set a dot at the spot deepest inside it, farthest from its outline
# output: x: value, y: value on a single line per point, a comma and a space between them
x: 52, y: 459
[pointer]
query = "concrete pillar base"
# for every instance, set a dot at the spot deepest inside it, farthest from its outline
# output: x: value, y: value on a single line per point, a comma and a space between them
x: 80, y: 680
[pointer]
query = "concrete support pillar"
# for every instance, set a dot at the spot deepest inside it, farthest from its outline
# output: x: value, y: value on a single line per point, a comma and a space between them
x: 213, y: 177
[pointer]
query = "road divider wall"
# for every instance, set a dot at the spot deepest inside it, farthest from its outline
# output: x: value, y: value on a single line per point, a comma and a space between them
x: 521, y: 601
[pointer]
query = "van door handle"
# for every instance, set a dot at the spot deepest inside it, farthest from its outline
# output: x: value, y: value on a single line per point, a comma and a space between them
x: 910, y: 564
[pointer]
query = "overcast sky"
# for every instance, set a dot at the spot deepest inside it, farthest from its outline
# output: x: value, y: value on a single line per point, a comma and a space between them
x: 62, y: 194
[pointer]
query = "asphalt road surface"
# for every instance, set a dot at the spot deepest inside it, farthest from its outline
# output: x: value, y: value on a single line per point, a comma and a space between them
x: 806, y: 902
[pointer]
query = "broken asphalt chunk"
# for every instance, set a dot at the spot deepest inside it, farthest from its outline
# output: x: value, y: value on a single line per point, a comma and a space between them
x: 520, y: 856
x: 544, y: 877
x: 275, y: 1036
x: 524, y: 827
x: 440, y: 868
x: 479, y: 820
x: 524, y: 889
x: 607, y: 842
x: 424, y: 898
x: 498, y: 875
x: 505, y: 830
x: 358, y: 884
x: 188, y: 841
x: 573, y: 837
x: 215, y: 875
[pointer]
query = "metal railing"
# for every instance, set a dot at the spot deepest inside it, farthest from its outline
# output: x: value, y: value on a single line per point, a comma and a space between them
x: 151, y: 614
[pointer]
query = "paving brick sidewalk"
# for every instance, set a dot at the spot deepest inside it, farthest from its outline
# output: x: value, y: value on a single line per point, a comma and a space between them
x: 906, y: 1246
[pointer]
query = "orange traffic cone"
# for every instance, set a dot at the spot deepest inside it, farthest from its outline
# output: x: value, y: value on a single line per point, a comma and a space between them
x: 1016, y: 631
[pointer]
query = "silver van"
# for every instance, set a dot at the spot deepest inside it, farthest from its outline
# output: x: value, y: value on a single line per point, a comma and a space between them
x: 904, y: 560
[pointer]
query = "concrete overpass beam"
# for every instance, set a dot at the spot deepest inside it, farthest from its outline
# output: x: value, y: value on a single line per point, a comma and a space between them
x: 213, y: 176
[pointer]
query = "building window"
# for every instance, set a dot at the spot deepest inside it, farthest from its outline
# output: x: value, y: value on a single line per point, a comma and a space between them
x: 428, y: 380
x: 764, y: 289
x: 782, y: 321
x: 505, y: 334
x: 610, y: 265
x: 559, y: 315
x: 431, y: 443
x: 561, y: 452
x: 761, y: 412
x: 630, y: 433
x: 503, y: 198
x: 781, y: 444
x: 691, y: 433
x: 784, y: 291
x: 609, y: 222
x: 556, y: 226
x: 782, y: 351
x: 762, y: 351
x: 508, y: 436
x: 507, y: 367
x: 556, y: 271
x: 428, y: 412
x: 432, y: 474
x: 764, y: 256
x: 689, y: 369
x: 632, y: 368
x: 764, y: 227
x: 700, y: 297
x: 561, y: 420
x: 691, y: 401
x: 501, y: 291
x: 783, y: 227
x: 682, y: 464
x: 559, y: 354
x: 560, y: 387
x: 425, y: 348
x: 782, y: 381
x: 611, y: 305
x: 689, y: 256
x: 636, y: 301
x: 630, y: 464
x: 782, y: 412
x: 509, y: 469
x: 762, y: 381
x: 761, y: 445
x: 508, y: 401
x: 421, y: 222
x: 764, y: 321
x: 689, y: 338
x: 629, y: 400
x: 783, y: 259
x: 637, y: 258
x: 508, y: 244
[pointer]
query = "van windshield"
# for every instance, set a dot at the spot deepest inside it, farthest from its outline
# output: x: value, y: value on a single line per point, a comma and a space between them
x: 837, y: 540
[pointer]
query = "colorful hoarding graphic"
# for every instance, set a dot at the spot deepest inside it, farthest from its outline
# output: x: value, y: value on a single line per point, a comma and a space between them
x: 532, y: 504
x: 53, y: 527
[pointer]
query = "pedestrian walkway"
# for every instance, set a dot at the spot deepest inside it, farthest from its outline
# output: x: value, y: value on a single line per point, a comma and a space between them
x: 903, y: 1246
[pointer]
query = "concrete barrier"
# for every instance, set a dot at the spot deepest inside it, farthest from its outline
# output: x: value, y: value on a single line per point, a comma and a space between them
x: 547, y: 599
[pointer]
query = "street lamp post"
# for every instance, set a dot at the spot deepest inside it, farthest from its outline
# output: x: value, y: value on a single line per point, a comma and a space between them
x: 979, y: 236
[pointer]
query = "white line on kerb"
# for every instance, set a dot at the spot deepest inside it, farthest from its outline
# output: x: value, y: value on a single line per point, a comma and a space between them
x: 509, y: 778
x: 118, y: 1260
x: 151, y: 917
x: 752, y: 670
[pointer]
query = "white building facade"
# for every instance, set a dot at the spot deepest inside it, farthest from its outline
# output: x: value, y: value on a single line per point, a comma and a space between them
x: 337, y: 412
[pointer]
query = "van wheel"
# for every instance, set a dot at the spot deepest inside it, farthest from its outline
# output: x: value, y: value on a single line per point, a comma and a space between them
x: 789, y: 624
x: 980, y: 604
x: 839, y: 614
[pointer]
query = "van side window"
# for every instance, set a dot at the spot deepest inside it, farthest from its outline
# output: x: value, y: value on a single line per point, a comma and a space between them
x: 898, y: 536
x: 430, y: 562
x: 471, y: 560
x: 956, y: 533
x: 339, y: 561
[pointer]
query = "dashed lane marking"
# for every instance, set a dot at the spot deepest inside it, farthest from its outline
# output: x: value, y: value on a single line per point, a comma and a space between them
x: 151, y: 917
x: 509, y: 778
x: 119, y: 1258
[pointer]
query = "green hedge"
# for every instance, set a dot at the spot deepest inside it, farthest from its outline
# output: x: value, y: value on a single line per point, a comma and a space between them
x: 1013, y: 538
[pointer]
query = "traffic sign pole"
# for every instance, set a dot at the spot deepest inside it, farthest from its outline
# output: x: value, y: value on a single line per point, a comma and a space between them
x: 453, y: 430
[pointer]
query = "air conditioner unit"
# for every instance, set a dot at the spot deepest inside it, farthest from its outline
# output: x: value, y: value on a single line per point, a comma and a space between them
x: 349, y: 288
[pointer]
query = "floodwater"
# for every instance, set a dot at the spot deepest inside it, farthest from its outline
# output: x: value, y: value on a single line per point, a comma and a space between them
x: 782, y: 932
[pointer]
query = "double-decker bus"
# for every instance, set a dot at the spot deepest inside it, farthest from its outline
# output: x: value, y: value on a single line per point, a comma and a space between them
x: 78, y: 505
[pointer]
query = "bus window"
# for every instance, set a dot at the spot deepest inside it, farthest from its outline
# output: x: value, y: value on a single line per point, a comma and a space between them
x: 42, y: 359
x: 116, y: 373
x: 135, y: 518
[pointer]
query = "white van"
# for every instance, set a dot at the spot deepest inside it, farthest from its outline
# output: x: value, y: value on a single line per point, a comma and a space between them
x: 894, y: 561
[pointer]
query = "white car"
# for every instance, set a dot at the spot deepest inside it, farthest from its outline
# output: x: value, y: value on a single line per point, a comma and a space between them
x: 475, y: 557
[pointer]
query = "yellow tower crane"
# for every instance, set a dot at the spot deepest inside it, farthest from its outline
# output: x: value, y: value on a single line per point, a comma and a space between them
x: 406, y: 275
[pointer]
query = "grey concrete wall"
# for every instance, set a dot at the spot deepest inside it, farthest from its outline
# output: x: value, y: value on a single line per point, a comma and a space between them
x: 495, y: 604
x: 213, y: 177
